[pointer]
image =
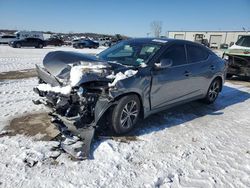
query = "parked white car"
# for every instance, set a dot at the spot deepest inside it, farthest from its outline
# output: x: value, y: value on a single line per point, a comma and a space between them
x: 5, y: 39
x: 29, y: 34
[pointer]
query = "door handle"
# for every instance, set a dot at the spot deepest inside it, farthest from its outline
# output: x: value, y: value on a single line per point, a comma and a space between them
x: 187, y: 73
x: 212, y: 67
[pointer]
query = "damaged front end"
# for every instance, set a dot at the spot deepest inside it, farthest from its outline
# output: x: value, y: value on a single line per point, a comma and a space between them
x: 238, y: 62
x: 76, y: 89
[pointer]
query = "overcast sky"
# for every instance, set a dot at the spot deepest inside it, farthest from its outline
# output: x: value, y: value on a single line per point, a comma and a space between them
x: 129, y: 17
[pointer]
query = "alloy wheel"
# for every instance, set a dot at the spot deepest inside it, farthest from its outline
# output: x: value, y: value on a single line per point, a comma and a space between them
x: 214, y: 90
x: 129, y: 114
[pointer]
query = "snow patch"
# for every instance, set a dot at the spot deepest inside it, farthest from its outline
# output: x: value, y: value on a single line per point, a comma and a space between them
x: 121, y: 76
x: 76, y: 72
x: 143, y: 65
x: 63, y: 90
x: 159, y: 40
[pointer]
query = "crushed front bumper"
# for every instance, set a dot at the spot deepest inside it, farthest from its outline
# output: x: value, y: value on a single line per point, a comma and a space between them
x: 77, y: 135
x: 238, y: 65
x: 77, y: 122
x: 80, y: 138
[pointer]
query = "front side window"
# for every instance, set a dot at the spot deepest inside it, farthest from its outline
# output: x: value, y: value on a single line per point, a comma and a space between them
x: 244, y: 41
x: 196, y: 54
x: 176, y: 53
x: 130, y: 53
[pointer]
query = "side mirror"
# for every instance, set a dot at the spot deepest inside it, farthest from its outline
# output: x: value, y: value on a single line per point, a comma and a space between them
x: 164, y: 63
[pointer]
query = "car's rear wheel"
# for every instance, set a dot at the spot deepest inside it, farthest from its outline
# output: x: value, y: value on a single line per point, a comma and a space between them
x: 40, y: 45
x: 125, y: 114
x: 213, y: 91
x: 81, y: 46
x: 18, y: 45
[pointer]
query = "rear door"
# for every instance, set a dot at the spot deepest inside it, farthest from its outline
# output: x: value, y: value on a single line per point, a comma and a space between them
x: 25, y: 42
x: 202, y: 69
x: 33, y: 42
x: 28, y: 42
x: 173, y: 84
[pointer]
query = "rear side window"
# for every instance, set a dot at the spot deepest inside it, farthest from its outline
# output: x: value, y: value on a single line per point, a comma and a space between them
x: 196, y: 54
x: 177, y: 54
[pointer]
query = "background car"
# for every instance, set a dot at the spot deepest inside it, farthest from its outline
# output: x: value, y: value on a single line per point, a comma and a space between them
x: 28, y: 42
x: 214, y: 45
x: 238, y: 58
x: 224, y: 46
x: 86, y: 43
x: 54, y: 42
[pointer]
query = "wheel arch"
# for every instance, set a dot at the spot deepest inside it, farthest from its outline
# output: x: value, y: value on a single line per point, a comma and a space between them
x: 133, y: 93
x: 221, y: 81
x: 109, y: 105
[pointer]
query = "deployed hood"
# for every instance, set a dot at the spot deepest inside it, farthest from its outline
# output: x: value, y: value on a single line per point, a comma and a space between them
x: 239, y: 47
x: 56, y: 62
x: 238, y: 51
x: 77, y: 68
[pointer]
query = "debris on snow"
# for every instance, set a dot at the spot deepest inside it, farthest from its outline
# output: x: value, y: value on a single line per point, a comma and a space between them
x: 121, y: 76
x: 4, y: 133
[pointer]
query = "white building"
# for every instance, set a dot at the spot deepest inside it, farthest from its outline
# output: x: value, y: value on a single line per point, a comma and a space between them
x: 214, y: 38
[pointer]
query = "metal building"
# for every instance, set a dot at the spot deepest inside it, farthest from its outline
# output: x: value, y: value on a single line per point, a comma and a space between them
x: 214, y: 38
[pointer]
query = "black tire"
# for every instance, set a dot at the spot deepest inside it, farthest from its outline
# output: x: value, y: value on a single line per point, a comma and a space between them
x: 81, y: 46
x: 213, y: 91
x: 18, y: 45
x: 121, y: 121
x: 40, y: 45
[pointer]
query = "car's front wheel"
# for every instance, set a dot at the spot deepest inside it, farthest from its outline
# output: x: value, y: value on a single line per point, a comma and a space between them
x: 125, y: 114
x: 213, y: 91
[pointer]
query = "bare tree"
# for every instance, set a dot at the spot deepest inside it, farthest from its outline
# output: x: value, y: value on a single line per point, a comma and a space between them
x: 156, y: 27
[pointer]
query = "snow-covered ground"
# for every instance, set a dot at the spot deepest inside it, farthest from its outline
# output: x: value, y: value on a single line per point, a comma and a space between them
x: 25, y: 58
x: 193, y: 145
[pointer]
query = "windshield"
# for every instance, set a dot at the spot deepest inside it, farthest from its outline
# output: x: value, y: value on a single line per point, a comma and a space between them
x: 130, y: 53
x: 244, y: 41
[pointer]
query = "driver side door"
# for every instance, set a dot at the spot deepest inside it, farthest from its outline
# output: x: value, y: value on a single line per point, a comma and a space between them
x: 171, y: 85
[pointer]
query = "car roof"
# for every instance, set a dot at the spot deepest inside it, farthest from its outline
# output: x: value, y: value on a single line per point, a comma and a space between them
x: 162, y: 41
x: 166, y: 41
